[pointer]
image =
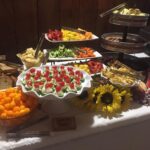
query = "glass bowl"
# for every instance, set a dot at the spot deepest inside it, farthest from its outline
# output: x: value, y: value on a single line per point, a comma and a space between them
x: 19, y: 113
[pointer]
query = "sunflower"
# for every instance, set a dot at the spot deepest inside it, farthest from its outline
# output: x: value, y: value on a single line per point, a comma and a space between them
x: 126, y: 99
x: 106, y: 98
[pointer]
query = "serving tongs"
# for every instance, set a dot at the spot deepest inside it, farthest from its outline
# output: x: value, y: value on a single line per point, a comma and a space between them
x: 46, y: 57
x: 39, y: 45
x: 111, y: 10
x: 74, y: 30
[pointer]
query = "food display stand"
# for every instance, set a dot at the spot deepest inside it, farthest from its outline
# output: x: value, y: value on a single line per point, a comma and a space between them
x: 126, y: 42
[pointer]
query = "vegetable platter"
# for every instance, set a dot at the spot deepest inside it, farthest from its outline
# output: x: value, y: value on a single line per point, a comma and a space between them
x: 63, y: 52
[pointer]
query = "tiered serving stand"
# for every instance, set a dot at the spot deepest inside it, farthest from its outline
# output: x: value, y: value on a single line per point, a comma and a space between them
x: 125, y: 42
x: 61, y: 104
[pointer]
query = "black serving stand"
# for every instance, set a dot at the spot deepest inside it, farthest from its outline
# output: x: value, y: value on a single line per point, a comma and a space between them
x: 123, y: 46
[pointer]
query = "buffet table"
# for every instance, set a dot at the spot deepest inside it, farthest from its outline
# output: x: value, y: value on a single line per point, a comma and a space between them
x: 87, y: 100
x: 120, y: 132
x: 129, y: 130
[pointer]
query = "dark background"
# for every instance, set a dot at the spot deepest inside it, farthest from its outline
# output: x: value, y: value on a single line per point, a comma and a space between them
x: 23, y: 21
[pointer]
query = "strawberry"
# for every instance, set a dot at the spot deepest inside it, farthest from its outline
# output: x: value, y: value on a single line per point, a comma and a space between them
x: 78, y: 82
x: 54, y: 67
x: 62, y: 75
x: 71, y: 73
x: 70, y: 69
x: 72, y: 85
x: 54, y: 35
x: 77, y: 78
x: 29, y: 83
x: 62, y: 67
x: 58, y: 79
x: 58, y: 88
x: 67, y: 79
x: 63, y: 72
x: 38, y: 73
x: 41, y: 83
x: 36, y: 77
x: 48, y: 85
x: 77, y: 72
x: 47, y: 68
x: 50, y: 36
x: 62, y: 84
x: 32, y: 70
x: 48, y: 79
x: 95, y: 66
x: 46, y: 74
x: 28, y: 76
x: 55, y: 72
x: 36, y: 85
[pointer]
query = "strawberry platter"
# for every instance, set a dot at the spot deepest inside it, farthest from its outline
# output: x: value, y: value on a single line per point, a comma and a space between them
x: 54, y: 82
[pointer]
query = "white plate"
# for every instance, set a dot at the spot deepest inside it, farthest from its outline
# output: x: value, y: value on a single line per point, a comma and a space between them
x: 94, y: 37
x: 51, y: 96
x: 140, y: 55
x: 96, y: 53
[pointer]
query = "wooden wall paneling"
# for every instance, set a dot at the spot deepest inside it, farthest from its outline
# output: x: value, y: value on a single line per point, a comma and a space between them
x: 144, y: 5
x: 101, y: 22
x: 103, y: 25
x: 48, y: 15
x: 88, y: 18
x: 69, y: 13
x: 75, y: 13
x: 88, y: 14
x: 25, y: 23
x: 147, y: 6
x: 7, y: 29
x: 48, y: 18
x: 66, y: 18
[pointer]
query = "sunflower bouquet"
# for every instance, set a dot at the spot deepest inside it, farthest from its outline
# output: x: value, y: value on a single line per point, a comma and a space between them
x: 108, y: 99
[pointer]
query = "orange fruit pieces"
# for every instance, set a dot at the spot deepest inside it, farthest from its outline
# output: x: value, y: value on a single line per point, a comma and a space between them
x: 13, y: 103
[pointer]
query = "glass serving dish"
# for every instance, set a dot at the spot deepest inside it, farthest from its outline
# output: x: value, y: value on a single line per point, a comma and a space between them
x: 18, y: 114
x: 28, y: 59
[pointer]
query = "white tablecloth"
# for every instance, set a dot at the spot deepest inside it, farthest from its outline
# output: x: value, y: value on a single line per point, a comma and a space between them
x: 124, y: 130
